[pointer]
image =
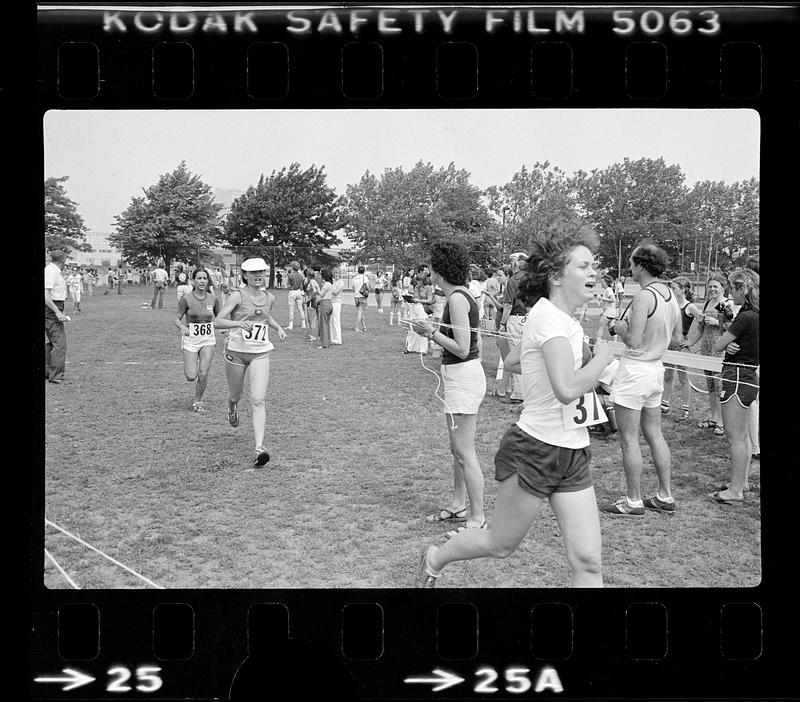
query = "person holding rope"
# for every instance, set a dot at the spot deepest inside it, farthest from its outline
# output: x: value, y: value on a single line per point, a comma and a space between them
x: 653, y: 325
x: 740, y: 383
x: 463, y: 379
x: 545, y: 455
x: 716, y: 314
x: 248, y: 313
x: 198, y: 343
x: 682, y: 288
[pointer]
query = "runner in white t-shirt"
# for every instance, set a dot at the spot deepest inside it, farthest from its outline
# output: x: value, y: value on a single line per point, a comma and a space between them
x: 545, y: 455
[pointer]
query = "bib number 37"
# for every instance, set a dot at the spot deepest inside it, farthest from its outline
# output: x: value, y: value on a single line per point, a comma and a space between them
x: 585, y: 411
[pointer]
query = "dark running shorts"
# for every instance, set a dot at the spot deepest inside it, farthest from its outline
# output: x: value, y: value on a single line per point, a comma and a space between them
x: 541, y: 468
x: 739, y: 382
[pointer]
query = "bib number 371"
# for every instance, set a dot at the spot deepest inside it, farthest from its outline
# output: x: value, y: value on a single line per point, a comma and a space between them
x: 256, y: 333
x: 585, y: 411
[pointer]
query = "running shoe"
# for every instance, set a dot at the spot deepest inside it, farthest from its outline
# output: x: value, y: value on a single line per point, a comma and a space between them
x: 425, y: 577
x: 622, y: 508
x: 659, y: 505
x: 197, y: 406
x: 261, y: 458
x: 233, y: 416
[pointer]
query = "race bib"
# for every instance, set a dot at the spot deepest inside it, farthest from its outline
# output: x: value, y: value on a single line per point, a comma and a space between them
x: 201, y: 331
x: 585, y: 411
x: 257, y: 335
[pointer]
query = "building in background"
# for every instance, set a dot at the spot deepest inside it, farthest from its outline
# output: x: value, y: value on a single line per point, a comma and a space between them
x: 102, y: 255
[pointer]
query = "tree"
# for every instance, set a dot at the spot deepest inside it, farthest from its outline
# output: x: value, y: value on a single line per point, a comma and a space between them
x: 529, y: 203
x: 289, y: 212
x: 177, y: 218
x: 632, y: 201
x: 63, y: 226
x: 396, y: 217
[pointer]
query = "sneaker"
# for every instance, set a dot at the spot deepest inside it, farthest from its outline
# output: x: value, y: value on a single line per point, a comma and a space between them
x: 622, y: 508
x: 198, y: 407
x: 659, y: 505
x: 233, y: 416
x: 683, y: 416
x: 425, y: 577
x: 261, y: 457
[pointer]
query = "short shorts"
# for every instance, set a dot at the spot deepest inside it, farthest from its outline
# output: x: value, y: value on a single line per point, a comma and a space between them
x: 243, y: 358
x: 188, y: 345
x: 541, y: 468
x: 361, y: 301
x: 739, y: 382
x: 638, y: 385
x: 464, y: 386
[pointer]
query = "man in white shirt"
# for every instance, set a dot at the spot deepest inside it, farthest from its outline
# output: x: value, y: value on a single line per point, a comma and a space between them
x: 160, y: 278
x: 55, y: 292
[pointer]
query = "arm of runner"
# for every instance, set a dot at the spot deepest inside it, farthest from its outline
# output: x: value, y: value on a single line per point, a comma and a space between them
x: 222, y: 320
x: 567, y: 383
x: 183, y: 307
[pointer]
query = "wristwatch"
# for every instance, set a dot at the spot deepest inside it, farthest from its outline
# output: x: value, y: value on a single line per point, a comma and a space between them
x: 431, y: 334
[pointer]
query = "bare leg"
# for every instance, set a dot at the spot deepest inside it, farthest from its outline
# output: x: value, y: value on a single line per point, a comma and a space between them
x: 628, y: 421
x: 259, y: 379
x: 514, y: 512
x: 206, y: 356
x: 190, y: 364
x: 737, y: 431
x: 462, y: 446
x: 662, y: 459
x: 234, y: 374
x: 577, y: 517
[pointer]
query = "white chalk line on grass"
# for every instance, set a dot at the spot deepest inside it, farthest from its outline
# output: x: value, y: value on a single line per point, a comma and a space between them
x: 105, y: 555
x: 61, y: 570
x: 125, y: 363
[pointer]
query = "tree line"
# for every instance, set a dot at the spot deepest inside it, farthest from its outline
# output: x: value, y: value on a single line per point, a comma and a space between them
x: 393, y: 217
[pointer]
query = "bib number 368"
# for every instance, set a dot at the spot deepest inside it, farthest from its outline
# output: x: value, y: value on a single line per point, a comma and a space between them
x: 583, y: 412
x: 200, y: 329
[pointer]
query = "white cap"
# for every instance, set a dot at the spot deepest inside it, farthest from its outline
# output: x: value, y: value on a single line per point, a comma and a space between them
x: 254, y: 264
x: 519, y: 255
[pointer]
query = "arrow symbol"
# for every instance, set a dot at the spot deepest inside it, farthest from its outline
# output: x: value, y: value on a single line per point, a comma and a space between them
x: 72, y: 678
x: 442, y: 680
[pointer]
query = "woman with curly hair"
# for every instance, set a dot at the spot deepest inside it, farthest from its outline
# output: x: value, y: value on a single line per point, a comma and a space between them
x: 463, y: 379
x: 545, y: 455
x: 739, y: 381
x: 716, y: 314
x: 648, y: 327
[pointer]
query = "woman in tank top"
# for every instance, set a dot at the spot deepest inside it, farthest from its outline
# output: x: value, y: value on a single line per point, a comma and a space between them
x: 198, y: 343
x: 463, y: 379
x: 247, y: 313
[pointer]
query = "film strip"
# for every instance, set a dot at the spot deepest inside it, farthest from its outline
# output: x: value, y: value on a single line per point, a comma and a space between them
x: 148, y: 639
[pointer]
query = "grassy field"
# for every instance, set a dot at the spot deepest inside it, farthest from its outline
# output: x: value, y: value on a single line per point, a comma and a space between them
x: 359, y: 457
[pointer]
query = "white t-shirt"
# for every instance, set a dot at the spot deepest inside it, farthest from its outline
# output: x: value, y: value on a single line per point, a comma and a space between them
x: 54, y: 282
x: 336, y: 293
x: 609, y: 302
x: 541, y: 415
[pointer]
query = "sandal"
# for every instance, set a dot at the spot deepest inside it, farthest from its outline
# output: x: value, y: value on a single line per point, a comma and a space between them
x: 447, y: 515
x: 711, y: 424
x: 730, y: 501
x: 450, y: 534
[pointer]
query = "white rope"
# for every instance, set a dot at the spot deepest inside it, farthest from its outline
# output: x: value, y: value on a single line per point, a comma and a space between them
x: 96, y: 550
x: 61, y: 570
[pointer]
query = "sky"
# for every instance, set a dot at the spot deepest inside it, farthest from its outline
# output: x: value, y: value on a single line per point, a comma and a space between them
x: 110, y: 156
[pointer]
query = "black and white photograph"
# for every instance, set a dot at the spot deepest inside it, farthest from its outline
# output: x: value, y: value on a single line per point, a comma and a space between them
x: 401, y: 348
